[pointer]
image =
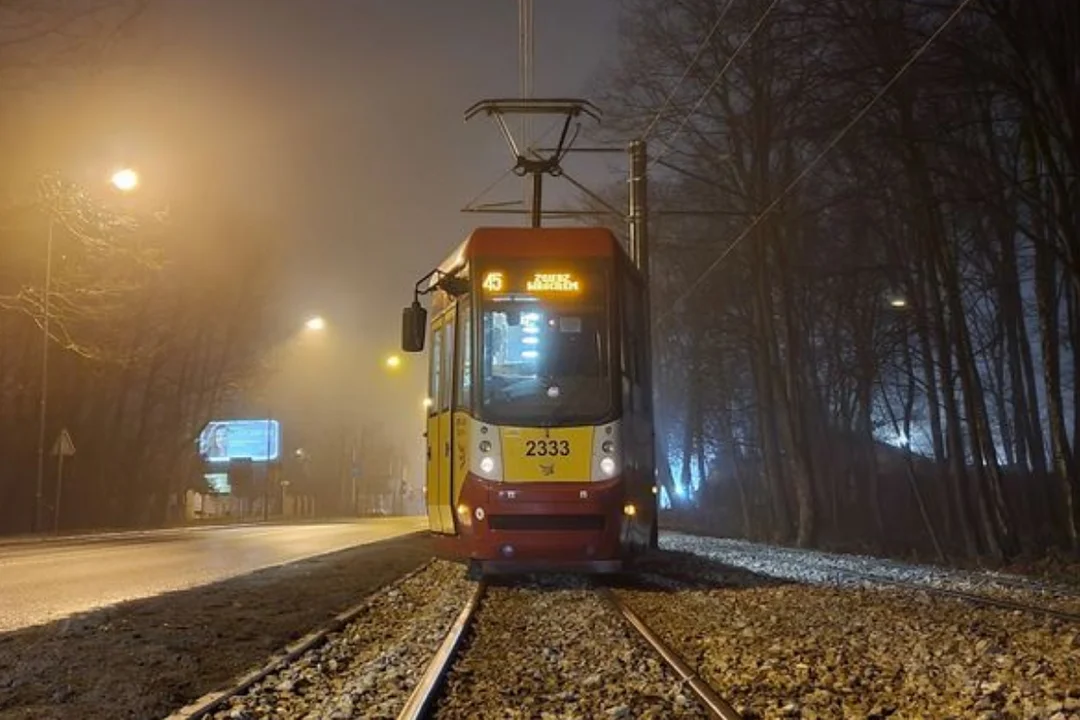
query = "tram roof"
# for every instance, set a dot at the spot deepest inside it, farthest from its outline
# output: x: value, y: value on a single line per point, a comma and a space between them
x: 534, y: 242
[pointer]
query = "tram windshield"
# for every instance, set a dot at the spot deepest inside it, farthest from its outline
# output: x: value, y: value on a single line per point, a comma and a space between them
x: 545, y: 346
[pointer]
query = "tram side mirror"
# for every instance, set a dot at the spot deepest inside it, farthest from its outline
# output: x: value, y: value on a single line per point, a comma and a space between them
x: 413, y: 327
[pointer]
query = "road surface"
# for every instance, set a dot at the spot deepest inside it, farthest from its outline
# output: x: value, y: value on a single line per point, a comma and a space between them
x: 47, y: 580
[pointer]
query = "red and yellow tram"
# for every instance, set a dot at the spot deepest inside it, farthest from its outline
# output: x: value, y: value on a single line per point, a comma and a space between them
x: 539, y: 426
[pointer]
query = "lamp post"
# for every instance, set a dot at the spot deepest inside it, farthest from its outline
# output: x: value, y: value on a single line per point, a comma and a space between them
x: 314, y: 324
x: 124, y: 180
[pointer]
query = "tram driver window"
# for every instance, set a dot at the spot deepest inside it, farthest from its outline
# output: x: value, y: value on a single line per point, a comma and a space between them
x: 545, y: 363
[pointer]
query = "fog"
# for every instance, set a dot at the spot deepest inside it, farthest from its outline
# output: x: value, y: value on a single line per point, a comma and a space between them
x: 334, y: 129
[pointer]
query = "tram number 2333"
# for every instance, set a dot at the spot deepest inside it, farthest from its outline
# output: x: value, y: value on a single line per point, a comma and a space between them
x: 547, y: 448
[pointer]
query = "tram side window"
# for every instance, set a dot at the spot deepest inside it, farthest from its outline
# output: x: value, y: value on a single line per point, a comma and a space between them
x: 464, y: 365
x: 445, y: 391
x: 435, y: 376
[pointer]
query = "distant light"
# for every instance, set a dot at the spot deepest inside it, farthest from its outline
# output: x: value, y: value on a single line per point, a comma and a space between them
x: 394, y: 361
x: 428, y: 402
x: 898, y: 303
x: 125, y: 180
x: 315, y: 323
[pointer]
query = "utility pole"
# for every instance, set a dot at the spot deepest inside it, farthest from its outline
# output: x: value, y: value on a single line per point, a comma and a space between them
x: 44, y: 400
x: 638, y: 209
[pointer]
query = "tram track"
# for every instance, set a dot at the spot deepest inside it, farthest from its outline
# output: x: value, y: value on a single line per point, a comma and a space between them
x: 422, y: 700
x: 430, y: 697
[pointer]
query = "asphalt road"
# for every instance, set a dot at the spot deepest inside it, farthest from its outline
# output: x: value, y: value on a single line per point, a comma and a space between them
x: 52, y: 579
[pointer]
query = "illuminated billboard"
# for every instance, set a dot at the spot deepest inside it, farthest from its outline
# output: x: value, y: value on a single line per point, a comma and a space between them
x: 225, y: 440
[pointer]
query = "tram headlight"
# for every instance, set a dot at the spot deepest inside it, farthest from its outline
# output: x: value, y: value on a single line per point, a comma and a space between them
x: 487, y: 464
x: 607, y: 453
x: 485, y: 446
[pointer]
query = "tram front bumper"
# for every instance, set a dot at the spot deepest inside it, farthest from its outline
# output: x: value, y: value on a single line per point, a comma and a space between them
x: 508, y: 525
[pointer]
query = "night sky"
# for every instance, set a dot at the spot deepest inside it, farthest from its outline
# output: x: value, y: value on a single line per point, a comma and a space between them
x: 336, y: 124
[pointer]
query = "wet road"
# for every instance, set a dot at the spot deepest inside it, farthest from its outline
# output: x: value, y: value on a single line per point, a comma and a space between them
x: 47, y: 580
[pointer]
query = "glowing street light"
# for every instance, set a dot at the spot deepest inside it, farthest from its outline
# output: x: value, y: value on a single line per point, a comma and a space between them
x: 898, y: 303
x: 316, y: 323
x: 125, y: 180
x: 393, y: 362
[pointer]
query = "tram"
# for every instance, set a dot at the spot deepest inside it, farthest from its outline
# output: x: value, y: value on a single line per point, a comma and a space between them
x: 539, y: 415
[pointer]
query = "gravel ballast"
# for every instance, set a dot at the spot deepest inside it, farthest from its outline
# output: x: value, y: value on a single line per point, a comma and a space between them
x: 368, y: 669
x: 557, y: 650
x: 146, y: 658
x: 790, y: 649
x: 813, y: 566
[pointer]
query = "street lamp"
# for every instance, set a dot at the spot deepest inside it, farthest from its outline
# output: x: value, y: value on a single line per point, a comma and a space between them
x: 315, y: 323
x: 125, y: 180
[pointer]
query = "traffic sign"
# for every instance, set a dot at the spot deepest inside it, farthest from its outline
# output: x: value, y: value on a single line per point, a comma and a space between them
x: 64, y: 445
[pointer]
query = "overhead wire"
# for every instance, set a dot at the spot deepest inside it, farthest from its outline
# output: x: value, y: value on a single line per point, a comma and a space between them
x: 667, y: 144
x: 818, y: 158
x: 686, y: 73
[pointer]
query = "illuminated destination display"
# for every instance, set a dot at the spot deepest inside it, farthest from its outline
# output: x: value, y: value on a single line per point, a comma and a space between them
x: 553, y: 282
x: 496, y: 281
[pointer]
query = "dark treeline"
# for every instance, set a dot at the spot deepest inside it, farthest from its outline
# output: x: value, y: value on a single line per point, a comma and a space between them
x: 155, y: 323
x: 888, y: 359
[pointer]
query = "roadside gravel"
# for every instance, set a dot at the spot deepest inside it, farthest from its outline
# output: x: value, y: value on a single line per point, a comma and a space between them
x: 783, y: 649
x: 554, y: 649
x: 369, y: 668
x: 816, y: 567
x: 146, y: 658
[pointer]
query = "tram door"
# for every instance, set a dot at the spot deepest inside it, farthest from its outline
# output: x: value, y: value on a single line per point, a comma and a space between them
x: 439, y: 441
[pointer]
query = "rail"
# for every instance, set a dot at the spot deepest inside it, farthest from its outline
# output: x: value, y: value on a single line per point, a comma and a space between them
x: 716, y: 705
x: 423, y: 696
